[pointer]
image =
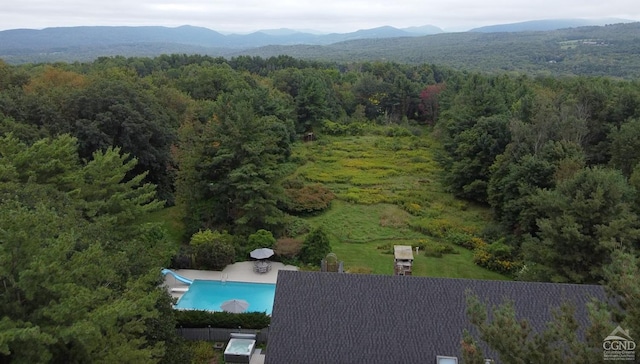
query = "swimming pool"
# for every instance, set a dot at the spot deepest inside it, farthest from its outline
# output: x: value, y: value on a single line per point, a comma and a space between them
x: 209, y: 295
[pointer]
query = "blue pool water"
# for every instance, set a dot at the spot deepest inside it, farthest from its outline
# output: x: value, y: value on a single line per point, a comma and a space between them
x: 209, y: 295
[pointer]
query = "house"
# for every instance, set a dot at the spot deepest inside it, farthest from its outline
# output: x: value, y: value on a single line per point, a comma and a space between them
x: 353, y: 318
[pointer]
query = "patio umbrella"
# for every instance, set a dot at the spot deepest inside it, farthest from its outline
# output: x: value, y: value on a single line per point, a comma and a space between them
x: 262, y: 253
x: 234, y: 306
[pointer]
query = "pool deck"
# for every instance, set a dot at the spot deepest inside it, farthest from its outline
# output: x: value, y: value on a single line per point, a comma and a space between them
x: 237, y: 272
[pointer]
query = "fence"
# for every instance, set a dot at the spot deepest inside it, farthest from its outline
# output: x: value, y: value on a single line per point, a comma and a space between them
x: 217, y: 334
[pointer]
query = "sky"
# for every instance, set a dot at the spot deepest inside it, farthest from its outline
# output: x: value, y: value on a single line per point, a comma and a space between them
x: 330, y: 16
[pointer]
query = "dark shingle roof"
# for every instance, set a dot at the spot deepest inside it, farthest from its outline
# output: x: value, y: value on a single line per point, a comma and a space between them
x: 352, y: 318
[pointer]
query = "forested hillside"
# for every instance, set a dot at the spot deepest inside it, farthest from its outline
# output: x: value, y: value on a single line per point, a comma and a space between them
x: 585, y: 51
x: 548, y: 168
x: 610, y: 50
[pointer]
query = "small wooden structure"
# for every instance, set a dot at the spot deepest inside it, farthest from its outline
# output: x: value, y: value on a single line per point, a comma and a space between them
x: 331, y: 264
x: 403, y: 255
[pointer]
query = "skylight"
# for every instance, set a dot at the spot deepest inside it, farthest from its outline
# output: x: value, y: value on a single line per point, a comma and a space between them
x: 446, y: 360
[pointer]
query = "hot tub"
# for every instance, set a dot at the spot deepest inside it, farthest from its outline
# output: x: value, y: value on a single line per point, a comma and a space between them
x: 239, y: 350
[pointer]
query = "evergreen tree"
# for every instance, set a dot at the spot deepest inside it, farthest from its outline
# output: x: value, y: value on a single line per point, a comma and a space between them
x: 625, y: 147
x: 230, y: 173
x: 516, y: 342
x: 315, y: 247
x: 582, y: 221
x: 471, y: 154
x: 79, y: 273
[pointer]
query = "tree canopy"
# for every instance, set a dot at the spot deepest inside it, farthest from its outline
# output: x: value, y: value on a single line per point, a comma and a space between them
x: 78, y: 273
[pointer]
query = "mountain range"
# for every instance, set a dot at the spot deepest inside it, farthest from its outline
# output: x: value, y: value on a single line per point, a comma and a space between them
x: 92, y: 36
x: 17, y: 40
x: 90, y: 42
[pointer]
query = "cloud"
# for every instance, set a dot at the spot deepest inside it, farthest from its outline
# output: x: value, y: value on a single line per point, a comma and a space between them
x: 327, y: 15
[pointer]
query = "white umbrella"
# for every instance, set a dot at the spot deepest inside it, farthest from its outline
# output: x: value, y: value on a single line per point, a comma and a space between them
x: 235, y: 306
x: 262, y: 253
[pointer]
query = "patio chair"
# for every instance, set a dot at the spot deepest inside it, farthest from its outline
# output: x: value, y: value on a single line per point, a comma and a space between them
x: 261, y: 266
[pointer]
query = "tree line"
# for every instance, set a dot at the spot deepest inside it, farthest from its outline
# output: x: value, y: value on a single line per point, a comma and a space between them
x: 556, y: 161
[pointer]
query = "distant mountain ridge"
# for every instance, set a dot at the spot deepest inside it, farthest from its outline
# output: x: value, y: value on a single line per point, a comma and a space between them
x: 91, y: 36
x: 548, y: 24
x: 593, y: 50
x: 25, y: 41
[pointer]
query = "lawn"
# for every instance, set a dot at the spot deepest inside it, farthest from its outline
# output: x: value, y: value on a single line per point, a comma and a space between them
x: 356, y: 237
x: 171, y: 219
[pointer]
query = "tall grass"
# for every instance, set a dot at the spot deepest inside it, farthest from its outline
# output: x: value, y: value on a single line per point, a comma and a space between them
x: 389, y: 191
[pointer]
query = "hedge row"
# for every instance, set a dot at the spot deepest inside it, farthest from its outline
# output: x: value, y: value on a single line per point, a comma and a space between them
x: 225, y: 320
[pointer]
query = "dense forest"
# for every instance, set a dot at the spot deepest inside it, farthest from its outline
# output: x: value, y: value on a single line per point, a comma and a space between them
x: 609, y: 51
x: 89, y: 149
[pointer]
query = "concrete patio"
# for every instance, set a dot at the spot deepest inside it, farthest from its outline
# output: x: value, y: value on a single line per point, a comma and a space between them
x: 237, y: 272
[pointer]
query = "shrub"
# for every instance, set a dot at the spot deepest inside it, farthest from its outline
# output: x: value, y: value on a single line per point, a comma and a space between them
x: 433, y: 249
x: 500, y: 250
x: 412, y: 208
x: 496, y: 257
x: 201, y: 352
x: 332, y: 128
x: 357, y: 128
x: 462, y: 239
x: 225, y: 320
x: 437, y: 228
x: 364, y: 196
x: 288, y: 247
x: 315, y: 247
x: 492, y: 231
x: 183, y: 259
x: 301, y: 198
x: 212, y: 249
x: 261, y: 239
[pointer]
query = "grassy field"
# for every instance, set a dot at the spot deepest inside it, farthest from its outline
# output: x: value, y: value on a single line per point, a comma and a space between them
x: 359, y: 239
x: 385, y: 188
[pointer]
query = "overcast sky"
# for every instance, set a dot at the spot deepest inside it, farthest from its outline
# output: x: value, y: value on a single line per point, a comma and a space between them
x: 323, y: 15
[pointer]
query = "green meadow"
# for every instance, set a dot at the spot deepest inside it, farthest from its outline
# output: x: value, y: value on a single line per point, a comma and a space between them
x: 389, y: 192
